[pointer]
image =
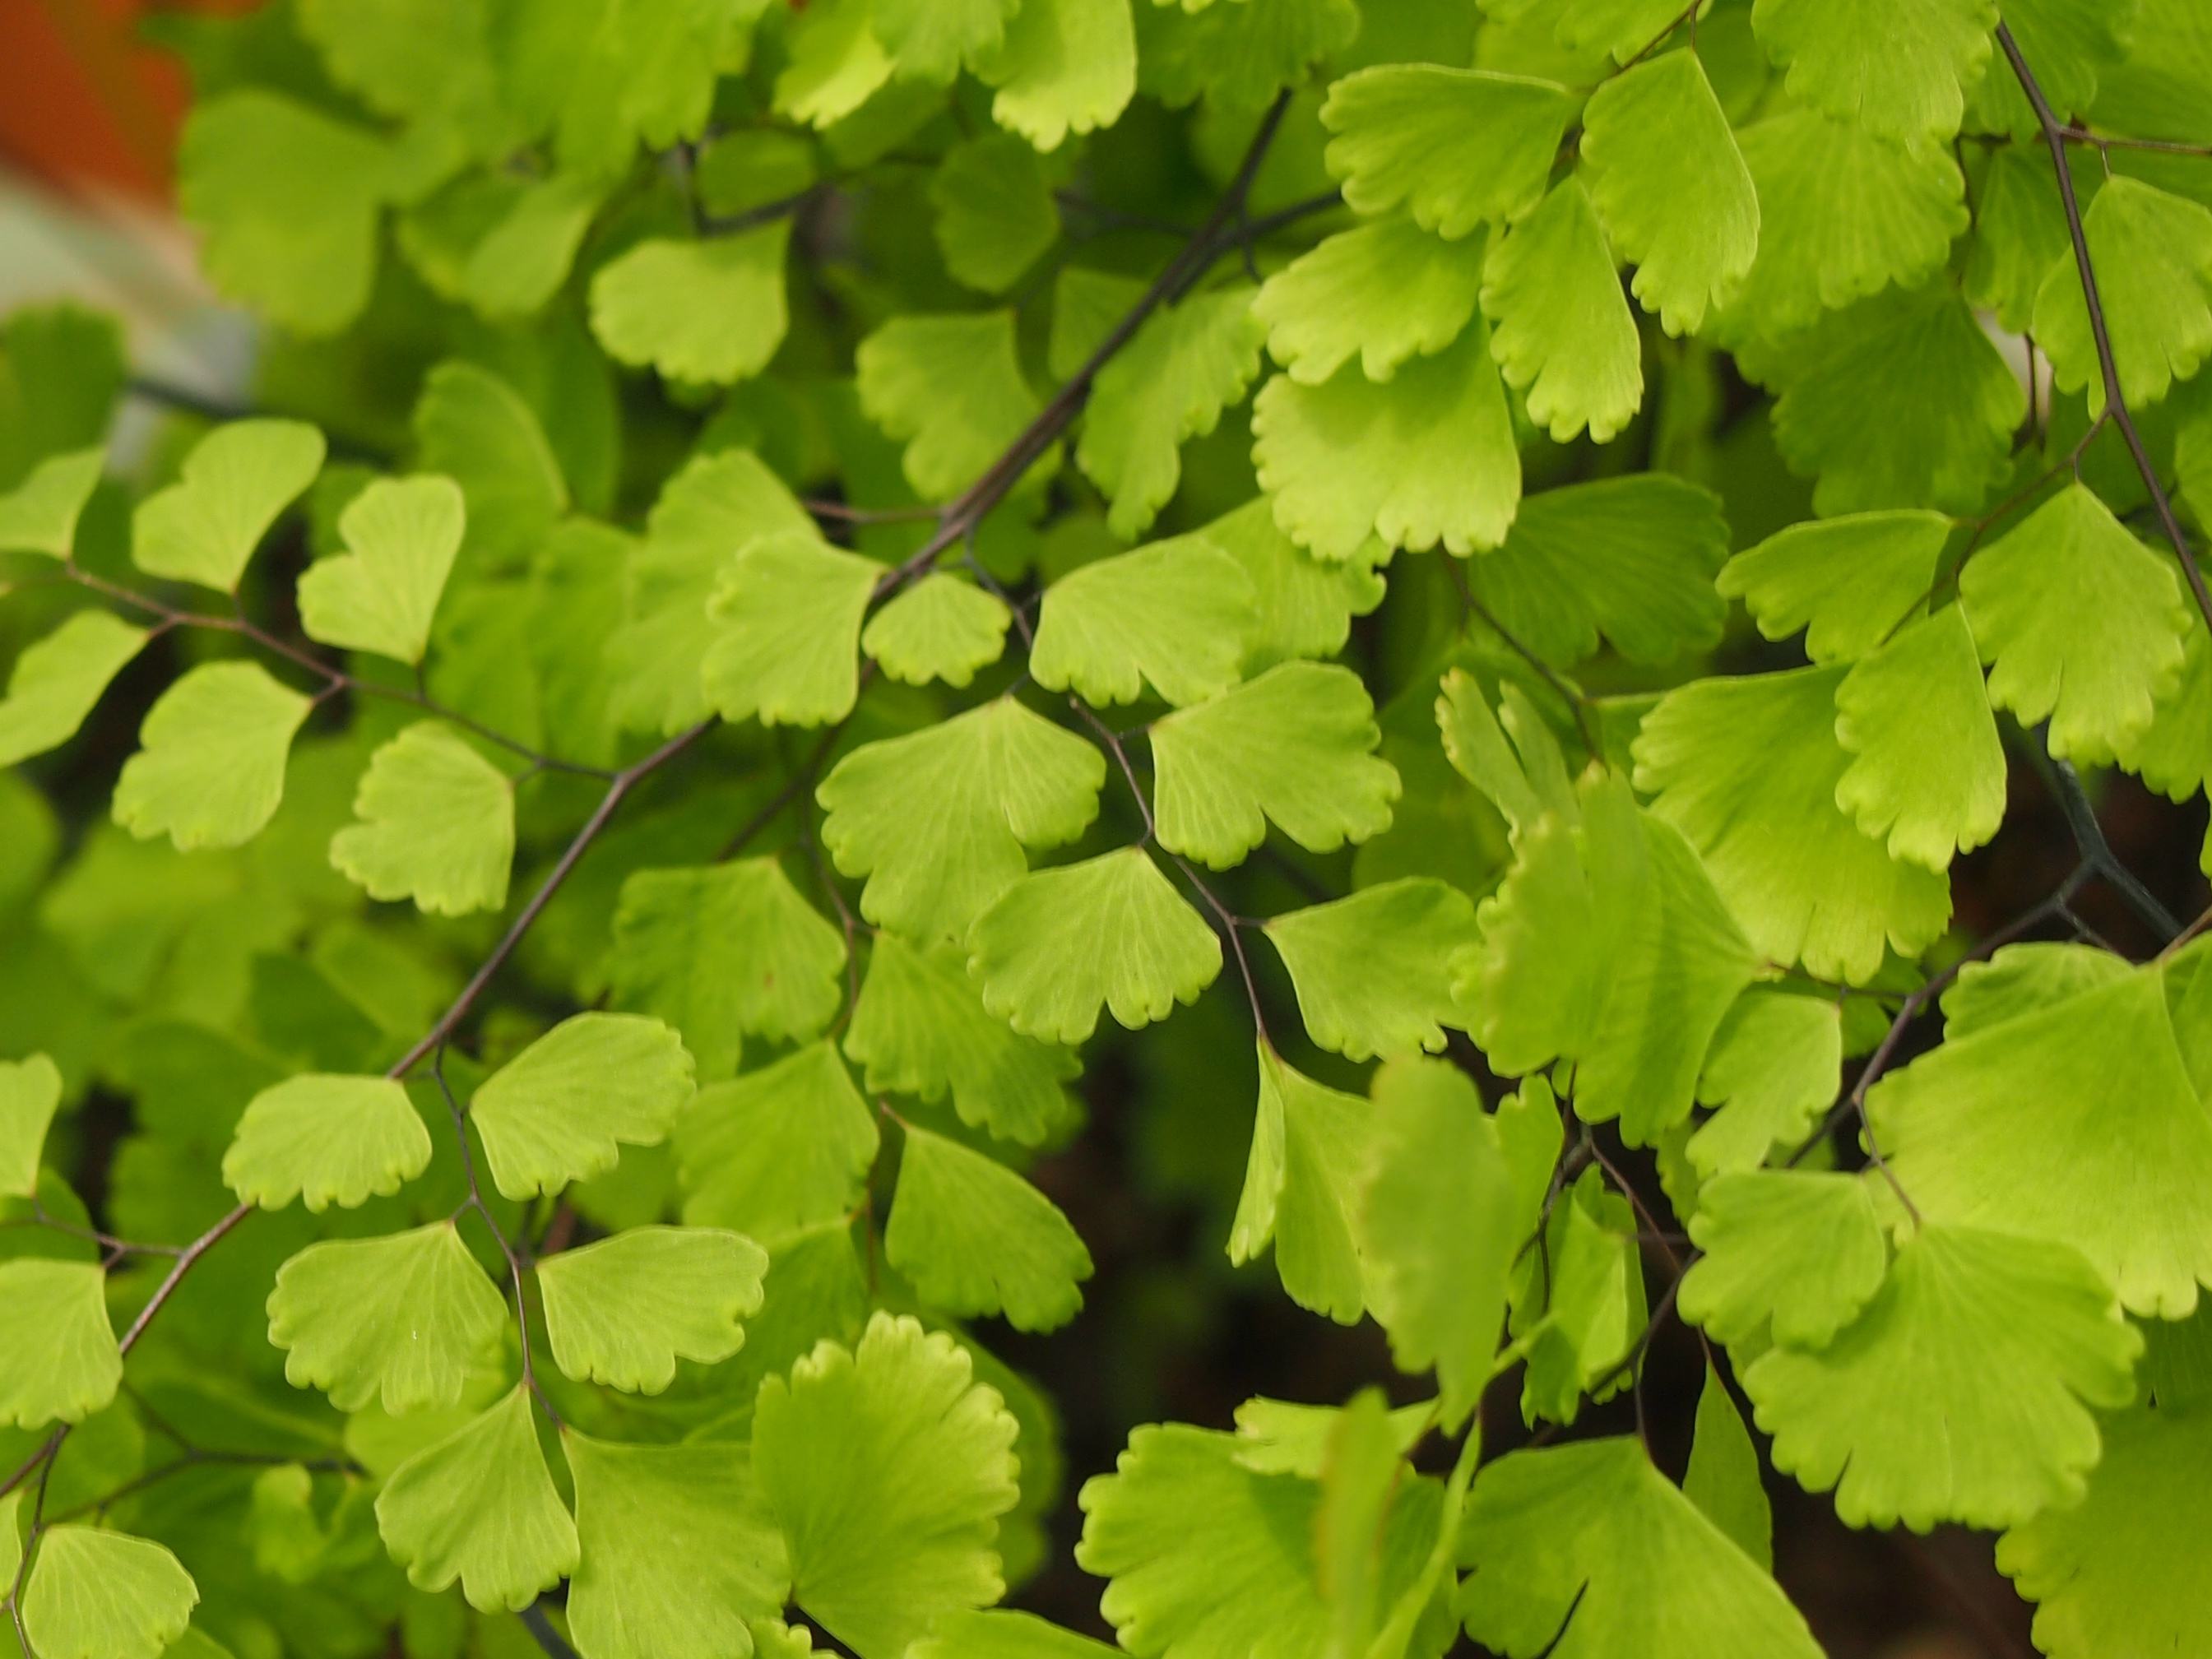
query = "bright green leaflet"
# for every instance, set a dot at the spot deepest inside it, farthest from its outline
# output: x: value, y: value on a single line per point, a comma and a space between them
x: 480, y: 1506
x: 2081, y: 623
x: 1426, y: 457
x: 379, y: 595
x: 437, y: 825
x: 204, y: 527
x: 929, y: 40
x: 30, y: 1090
x: 1887, y: 1414
x: 940, y: 629
x: 1172, y: 616
x: 1576, y: 1318
x: 951, y: 389
x: 1359, y: 1475
x: 1109, y: 932
x: 40, y: 514
x: 2077, y: 1123
x: 2026, y: 979
x: 1899, y: 69
x: 1457, y: 147
x: 1305, y: 606
x: 72, y: 1369
x: 1065, y: 66
x: 624, y: 1311
x: 975, y: 1238
x: 703, y: 311
x: 210, y: 769
x: 474, y: 427
x: 779, y: 1150
x: 1671, y: 188
x: 1772, y: 1070
x: 1723, y: 1479
x: 676, y: 1550
x: 2153, y: 254
x: 1385, y: 292
x: 1293, y: 748
x: 788, y: 610
x: 1560, y: 326
x: 726, y: 952
x: 1845, y: 581
x: 1592, y: 1537
x: 1001, y: 1634
x: 938, y: 820
x: 98, y: 1594
x: 1369, y: 970
x: 60, y: 679
x: 887, y: 1466
x: 919, y: 1027
x: 1787, y: 1252
x: 401, y: 1321
x: 562, y: 1109
x: 1309, y: 1149
x: 326, y: 1139
x: 1440, y: 1227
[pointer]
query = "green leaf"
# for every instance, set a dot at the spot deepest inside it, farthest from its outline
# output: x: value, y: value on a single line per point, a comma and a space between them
x: 40, y: 514
x: 210, y: 769
x: 1899, y: 402
x: 1579, y: 1302
x: 1847, y: 582
x: 1003, y: 1634
x: 1772, y: 1070
x: 1632, y: 558
x: 716, y: 505
x: 1361, y: 1470
x: 622, y: 1311
x: 1235, y: 58
x: 1671, y: 187
x: 326, y: 1139
x: 236, y: 480
x: 951, y: 389
x: 607, y: 77
x: 724, y: 953
x: 561, y: 1109
x: 973, y: 1237
x: 940, y: 629
x: 1064, y: 66
x: 286, y: 201
x: 677, y: 1551
x: 887, y: 1466
x: 1059, y: 943
x: 1896, y: 1414
x: 788, y: 610
x: 1294, y: 747
x: 1372, y: 971
x: 436, y: 824
x: 2108, y: 1574
x: 403, y: 1319
x: 2027, y: 979
x: 1561, y: 328
x: 836, y: 64
x: 1608, y: 946
x: 2076, y: 1122
x: 995, y: 212
x: 1305, y: 606
x: 72, y: 1368
x: 1426, y: 457
x: 1457, y: 147
x: 2020, y: 233
x: 2152, y: 252
x: 1385, y: 292
x: 1746, y: 769
x: 2173, y: 753
x: 1897, y: 69
x: 474, y: 427
x: 30, y: 1090
x: 1439, y: 1226
x: 996, y: 779
x: 1173, y: 615
x: 1188, y: 362
x: 2081, y: 622
x: 59, y: 681
x: 480, y: 1506
x: 98, y: 1594
x: 1212, y: 1559
x: 920, y: 1029
x: 1930, y: 773
x: 930, y: 39
x: 710, y: 310
x: 1723, y: 1478
x: 1793, y: 1252
x: 777, y: 1150
x: 1591, y: 1545
x: 1309, y: 1152
x: 379, y: 595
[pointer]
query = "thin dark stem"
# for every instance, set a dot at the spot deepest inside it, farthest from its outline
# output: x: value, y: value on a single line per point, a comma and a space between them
x: 540, y: 1626
x: 2055, y: 138
x: 2097, y: 854
x: 1233, y: 929
x: 2074, y: 133
x: 795, y: 786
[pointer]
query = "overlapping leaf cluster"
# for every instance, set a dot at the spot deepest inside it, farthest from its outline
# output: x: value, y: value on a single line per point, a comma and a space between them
x: 797, y: 570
